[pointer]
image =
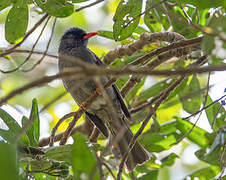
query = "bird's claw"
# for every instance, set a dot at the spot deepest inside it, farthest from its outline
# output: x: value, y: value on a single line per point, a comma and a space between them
x: 83, y: 105
x: 97, y: 92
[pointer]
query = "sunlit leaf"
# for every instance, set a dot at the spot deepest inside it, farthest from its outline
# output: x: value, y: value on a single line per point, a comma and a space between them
x: 8, y: 162
x: 4, y: 4
x: 216, y: 114
x: 55, y: 8
x: 151, y: 18
x: 83, y: 159
x: 190, y: 96
x: 197, y: 135
x: 153, y: 175
x: 204, y: 173
x: 60, y: 153
x: 169, y: 160
x: 13, y: 131
x: 126, y: 11
x: 154, y: 142
x: 16, y: 22
x: 33, y: 128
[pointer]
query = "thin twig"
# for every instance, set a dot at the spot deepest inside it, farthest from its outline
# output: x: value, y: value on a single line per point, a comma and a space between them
x: 46, y: 50
x: 25, y: 37
x: 31, y: 52
x: 204, y: 108
x: 89, y: 5
x: 53, y: 101
x: 52, y: 136
x: 147, y: 10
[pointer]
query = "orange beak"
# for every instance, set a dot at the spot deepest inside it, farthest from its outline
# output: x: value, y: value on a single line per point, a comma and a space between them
x: 89, y: 35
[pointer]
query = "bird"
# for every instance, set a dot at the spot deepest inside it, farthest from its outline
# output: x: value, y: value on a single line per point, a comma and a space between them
x: 106, y: 118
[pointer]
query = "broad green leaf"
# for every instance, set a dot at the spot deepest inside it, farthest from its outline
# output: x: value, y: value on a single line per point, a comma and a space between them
x: 151, y: 175
x: 59, y: 153
x: 213, y: 114
x: 197, y: 135
x: 212, y: 157
x: 204, y: 173
x: 154, y: 90
x: 8, y: 162
x: 154, y: 142
x: 4, y: 4
x: 106, y: 34
x: 33, y: 129
x: 168, y: 127
x: 126, y: 10
x: 16, y: 22
x: 56, y: 8
x: 83, y: 159
x: 13, y: 131
x: 135, y: 91
x: 190, y: 97
x: 151, y: 18
x: 202, y: 4
x: 169, y: 160
x: 210, y: 43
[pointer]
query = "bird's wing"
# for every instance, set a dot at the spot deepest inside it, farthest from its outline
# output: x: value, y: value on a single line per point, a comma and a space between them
x: 116, y: 90
x: 98, y: 123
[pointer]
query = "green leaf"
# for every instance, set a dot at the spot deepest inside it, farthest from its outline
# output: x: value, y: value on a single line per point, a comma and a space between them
x: 204, y: 173
x: 59, y: 153
x: 168, y: 127
x: 56, y: 8
x: 83, y: 159
x: 151, y: 175
x: 190, y: 97
x: 154, y: 90
x: 210, y: 43
x: 33, y: 129
x: 202, y: 4
x: 8, y: 162
x: 106, y: 34
x: 14, y: 129
x: 4, y: 4
x: 151, y: 18
x: 212, y: 157
x: 213, y: 113
x: 154, y: 142
x: 197, y: 135
x: 169, y: 160
x: 136, y: 89
x: 16, y: 22
x: 126, y: 10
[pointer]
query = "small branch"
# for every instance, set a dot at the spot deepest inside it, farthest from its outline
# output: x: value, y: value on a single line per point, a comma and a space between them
x: 204, y: 108
x: 46, y: 50
x: 68, y: 131
x: 57, y: 125
x: 109, y: 169
x: 25, y: 37
x: 31, y: 52
x: 147, y: 10
x: 89, y: 5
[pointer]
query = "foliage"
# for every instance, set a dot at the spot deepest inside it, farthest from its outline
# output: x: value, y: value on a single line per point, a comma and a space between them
x: 21, y: 155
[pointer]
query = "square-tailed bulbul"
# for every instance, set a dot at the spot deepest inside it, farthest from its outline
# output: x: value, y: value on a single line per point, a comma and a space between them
x: 74, y: 44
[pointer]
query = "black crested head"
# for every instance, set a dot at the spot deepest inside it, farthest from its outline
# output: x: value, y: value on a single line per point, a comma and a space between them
x: 74, y: 33
x: 73, y: 38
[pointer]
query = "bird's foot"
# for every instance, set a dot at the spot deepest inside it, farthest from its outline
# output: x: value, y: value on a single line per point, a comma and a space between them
x: 97, y: 92
x: 83, y: 105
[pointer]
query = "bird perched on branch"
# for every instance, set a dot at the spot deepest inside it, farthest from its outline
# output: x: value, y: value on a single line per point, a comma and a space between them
x: 106, y: 116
